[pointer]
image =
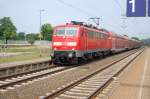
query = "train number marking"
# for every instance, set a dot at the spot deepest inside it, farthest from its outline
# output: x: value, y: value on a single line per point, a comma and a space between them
x: 136, y: 8
x: 133, y: 5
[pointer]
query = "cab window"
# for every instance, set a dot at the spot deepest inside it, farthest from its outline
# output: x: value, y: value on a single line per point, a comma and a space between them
x: 71, y: 32
x: 68, y: 31
x: 60, y: 32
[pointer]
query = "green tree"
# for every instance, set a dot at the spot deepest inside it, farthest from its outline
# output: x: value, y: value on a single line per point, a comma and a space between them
x: 7, y: 28
x: 31, y: 38
x: 1, y: 34
x: 136, y: 38
x: 146, y: 41
x: 21, y: 36
x: 46, y: 31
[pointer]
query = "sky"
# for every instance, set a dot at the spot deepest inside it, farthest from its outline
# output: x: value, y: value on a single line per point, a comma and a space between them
x: 25, y: 14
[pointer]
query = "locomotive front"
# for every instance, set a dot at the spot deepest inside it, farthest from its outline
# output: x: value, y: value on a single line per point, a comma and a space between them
x: 65, y: 44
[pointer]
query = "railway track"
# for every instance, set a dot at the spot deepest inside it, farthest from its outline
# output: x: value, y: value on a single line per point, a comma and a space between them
x: 90, y: 86
x: 25, y: 73
x: 27, y: 68
x: 9, y: 82
x: 12, y: 80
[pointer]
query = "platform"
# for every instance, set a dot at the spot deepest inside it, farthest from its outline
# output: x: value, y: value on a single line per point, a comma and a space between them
x: 15, y: 68
x: 135, y: 83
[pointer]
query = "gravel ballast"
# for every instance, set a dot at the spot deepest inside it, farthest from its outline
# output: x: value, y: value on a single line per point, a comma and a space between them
x: 34, y: 89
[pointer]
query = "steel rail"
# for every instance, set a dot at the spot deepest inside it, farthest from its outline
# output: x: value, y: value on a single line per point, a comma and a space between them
x: 59, y: 92
x: 3, y: 86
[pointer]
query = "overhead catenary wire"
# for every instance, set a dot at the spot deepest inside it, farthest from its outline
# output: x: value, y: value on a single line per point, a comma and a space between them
x: 84, y: 11
x: 119, y: 5
x: 75, y: 7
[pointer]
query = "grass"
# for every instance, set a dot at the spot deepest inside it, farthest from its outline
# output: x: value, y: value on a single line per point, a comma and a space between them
x: 27, y: 53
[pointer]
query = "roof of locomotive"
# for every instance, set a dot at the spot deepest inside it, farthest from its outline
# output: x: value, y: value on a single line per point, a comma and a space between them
x: 89, y: 27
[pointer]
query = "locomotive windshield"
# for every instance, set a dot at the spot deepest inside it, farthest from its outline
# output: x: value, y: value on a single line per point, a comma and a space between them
x: 66, y: 31
x: 60, y: 32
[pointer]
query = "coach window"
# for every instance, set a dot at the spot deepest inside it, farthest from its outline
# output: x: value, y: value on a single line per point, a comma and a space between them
x: 102, y: 35
x: 94, y: 34
x: 90, y: 34
x: 106, y: 36
x: 99, y: 35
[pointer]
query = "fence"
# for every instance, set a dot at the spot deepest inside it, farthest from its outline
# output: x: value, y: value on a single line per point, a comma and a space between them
x: 25, y: 43
x: 14, y: 42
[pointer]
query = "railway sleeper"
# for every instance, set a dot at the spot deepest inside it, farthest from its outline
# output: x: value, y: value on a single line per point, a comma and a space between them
x: 77, y: 90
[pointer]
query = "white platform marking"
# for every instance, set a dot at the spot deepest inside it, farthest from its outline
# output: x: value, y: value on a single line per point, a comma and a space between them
x: 142, y: 81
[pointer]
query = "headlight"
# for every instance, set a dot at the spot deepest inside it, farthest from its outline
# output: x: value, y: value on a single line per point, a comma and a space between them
x: 57, y: 43
x: 73, y: 49
x: 71, y: 43
x: 55, y: 48
x: 70, y: 55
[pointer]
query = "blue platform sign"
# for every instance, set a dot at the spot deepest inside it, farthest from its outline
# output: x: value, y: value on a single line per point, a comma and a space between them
x: 136, y: 8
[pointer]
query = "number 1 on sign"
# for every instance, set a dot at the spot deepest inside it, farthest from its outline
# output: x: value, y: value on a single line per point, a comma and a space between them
x: 133, y: 5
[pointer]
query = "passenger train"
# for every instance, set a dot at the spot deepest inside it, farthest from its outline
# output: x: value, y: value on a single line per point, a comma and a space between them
x: 76, y: 42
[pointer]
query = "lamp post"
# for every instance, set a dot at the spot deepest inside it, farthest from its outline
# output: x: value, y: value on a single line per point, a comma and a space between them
x: 124, y: 26
x: 40, y: 35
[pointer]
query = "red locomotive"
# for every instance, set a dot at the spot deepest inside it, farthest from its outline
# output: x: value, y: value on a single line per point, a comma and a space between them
x: 75, y: 42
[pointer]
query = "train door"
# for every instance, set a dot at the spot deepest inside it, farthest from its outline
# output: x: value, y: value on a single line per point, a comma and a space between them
x: 85, y: 39
x: 113, y: 43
